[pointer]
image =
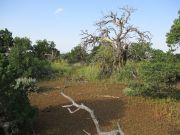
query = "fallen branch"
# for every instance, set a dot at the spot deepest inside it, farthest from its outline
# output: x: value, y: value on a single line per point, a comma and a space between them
x: 91, y: 112
x: 107, y: 96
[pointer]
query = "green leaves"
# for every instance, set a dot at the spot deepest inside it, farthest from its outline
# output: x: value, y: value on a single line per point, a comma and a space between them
x: 156, y: 77
x: 6, y: 41
x: 173, y: 37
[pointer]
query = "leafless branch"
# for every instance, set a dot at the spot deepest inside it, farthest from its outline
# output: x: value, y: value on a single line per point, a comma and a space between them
x: 91, y: 112
x: 115, y: 29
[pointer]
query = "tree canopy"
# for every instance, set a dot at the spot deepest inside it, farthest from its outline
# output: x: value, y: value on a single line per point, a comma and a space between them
x: 173, y: 36
x: 6, y: 40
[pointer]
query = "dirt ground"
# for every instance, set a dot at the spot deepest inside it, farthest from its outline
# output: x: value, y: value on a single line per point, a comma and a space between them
x: 136, y: 115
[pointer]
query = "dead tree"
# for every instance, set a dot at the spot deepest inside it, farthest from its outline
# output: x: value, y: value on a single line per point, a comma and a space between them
x: 116, y: 32
x: 91, y: 112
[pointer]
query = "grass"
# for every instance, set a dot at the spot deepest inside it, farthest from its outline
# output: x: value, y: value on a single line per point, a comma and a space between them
x: 62, y: 69
x: 90, y: 72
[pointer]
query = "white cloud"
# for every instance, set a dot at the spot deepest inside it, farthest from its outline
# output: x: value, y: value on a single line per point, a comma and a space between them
x: 58, y: 10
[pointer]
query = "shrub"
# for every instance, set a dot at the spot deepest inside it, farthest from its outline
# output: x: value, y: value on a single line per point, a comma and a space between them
x: 126, y: 73
x: 104, y: 57
x: 28, y: 84
x: 134, y: 88
x: 40, y: 69
x: 16, y: 110
x: 156, y: 78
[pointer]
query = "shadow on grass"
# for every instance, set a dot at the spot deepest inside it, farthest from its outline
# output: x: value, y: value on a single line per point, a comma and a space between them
x: 56, y: 120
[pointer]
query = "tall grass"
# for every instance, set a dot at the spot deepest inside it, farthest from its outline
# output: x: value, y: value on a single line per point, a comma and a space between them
x: 90, y: 72
x: 62, y: 68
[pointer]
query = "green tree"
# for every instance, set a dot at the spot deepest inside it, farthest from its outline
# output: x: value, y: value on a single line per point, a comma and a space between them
x: 173, y: 36
x: 21, y: 57
x: 6, y: 40
x: 15, y: 108
x: 46, y: 50
x: 77, y: 54
x: 139, y: 51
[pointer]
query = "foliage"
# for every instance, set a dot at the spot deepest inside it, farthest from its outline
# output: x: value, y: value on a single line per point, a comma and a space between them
x: 139, y: 51
x: 61, y: 68
x: 92, y: 54
x: 134, y: 91
x: 6, y: 40
x: 14, y: 104
x: 126, y: 73
x: 27, y: 83
x: 77, y: 54
x: 173, y: 36
x: 104, y: 57
x: 156, y: 77
x: 19, y: 61
x: 20, y: 57
x: 158, y: 55
x: 45, y: 50
x: 41, y: 69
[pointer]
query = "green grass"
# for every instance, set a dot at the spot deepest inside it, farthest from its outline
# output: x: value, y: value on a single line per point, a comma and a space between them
x: 62, y: 69
x: 90, y: 72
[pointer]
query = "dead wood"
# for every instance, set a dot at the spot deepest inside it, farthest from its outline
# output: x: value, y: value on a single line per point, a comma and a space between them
x: 91, y: 112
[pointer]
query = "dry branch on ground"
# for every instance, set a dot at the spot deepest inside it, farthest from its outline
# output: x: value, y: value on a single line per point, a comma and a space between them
x: 93, y: 117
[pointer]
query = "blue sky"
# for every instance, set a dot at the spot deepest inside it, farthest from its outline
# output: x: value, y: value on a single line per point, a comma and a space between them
x: 62, y: 20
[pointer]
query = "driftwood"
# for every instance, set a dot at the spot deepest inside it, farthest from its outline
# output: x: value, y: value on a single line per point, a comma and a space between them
x: 91, y: 112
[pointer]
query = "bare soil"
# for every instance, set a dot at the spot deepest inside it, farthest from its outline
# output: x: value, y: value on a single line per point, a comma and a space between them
x: 136, y: 115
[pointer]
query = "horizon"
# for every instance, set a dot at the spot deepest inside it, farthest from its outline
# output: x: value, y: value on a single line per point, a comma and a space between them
x: 62, y: 21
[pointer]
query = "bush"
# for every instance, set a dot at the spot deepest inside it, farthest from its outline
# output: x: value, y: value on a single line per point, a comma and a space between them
x: 40, y: 69
x: 28, y: 84
x: 104, y: 57
x: 155, y: 78
x: 16, y: 110
x: 135, y: 88
x: 126, y: 73
x: 23, y: 60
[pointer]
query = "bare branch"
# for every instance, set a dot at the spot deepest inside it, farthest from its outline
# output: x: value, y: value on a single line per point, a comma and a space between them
x: 91, y: 112
x: 114, y: 30
x: 86, y: 132
x: 89, y: 39
x: 120, y: 130
x: 127, y: 11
